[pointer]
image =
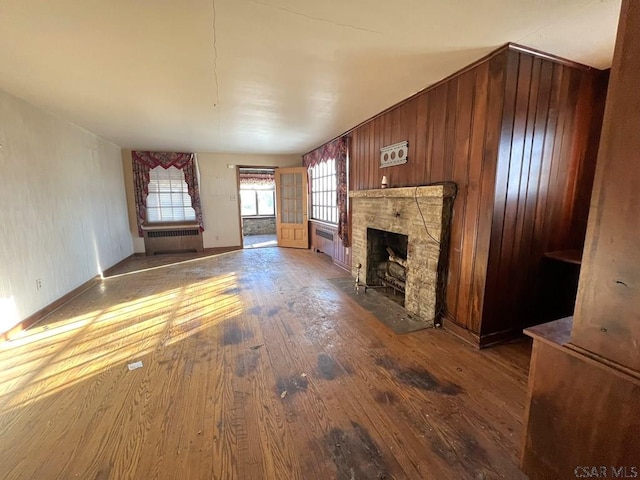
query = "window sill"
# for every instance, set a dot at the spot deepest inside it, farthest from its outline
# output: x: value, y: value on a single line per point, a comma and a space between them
x: 323, y: 222
x: 165, y: 225
x: 258, y: 216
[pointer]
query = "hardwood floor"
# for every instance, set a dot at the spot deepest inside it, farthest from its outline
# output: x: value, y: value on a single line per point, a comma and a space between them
x: 254, y: 367
x: 259, y: 241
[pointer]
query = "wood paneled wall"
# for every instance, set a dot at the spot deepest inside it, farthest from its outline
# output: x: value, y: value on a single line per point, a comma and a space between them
x: 546, y: 161
x: 517, y: 133
x: 453, y: 133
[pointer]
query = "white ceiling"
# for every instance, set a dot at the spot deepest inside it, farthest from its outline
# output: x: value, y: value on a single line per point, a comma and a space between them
x: 264, y: 76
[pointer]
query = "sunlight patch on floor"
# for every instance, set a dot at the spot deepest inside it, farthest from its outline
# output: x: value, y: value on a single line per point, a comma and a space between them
x: 51, y: 357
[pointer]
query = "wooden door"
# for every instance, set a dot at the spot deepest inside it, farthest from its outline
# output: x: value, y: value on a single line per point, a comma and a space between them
x: 291, y: 203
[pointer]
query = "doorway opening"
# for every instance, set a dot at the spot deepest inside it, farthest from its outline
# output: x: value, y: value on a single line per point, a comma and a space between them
x: 257, y: 206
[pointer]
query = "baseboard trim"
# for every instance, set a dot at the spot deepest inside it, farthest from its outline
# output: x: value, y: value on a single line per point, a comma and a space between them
x: 41, y: 314
x: 112, y: 268
x: 481, y: 341
x: 459, y: 331
x: 219, y: 250
x: 502, y: 336
x: 344, y: 266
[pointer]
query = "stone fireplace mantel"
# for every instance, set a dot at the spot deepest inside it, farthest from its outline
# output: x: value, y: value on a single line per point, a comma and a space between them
x: 444, y: 190
x: 423, y: 214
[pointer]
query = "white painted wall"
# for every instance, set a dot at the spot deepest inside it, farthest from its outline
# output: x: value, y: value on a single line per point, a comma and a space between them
x: 63, y: 213
x: 218, y: 194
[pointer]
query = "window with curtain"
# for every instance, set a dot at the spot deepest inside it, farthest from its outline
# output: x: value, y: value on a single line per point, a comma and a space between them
x: 166, y: 188
x: 328, y: 166
x: 168, y: 199
x: 324, y: 196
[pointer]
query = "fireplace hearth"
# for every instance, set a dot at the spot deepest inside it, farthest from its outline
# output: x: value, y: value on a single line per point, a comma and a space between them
x: 404, y: 232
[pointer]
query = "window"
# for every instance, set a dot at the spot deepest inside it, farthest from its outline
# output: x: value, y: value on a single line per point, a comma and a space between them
x: 257, y: 200
x: 168, y: 199
x: 324, y: 196
x: 257, y: 192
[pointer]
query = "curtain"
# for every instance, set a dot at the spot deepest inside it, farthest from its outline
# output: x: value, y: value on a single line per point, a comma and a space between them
x: 257, y: 179
x: 337, y: 149
x: 141, y: 190
x: 143, y: 162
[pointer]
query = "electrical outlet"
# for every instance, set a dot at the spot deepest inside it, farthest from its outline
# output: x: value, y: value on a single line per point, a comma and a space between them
x: 39, y: 284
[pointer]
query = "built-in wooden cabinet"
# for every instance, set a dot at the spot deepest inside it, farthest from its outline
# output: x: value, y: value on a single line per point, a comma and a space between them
x: 324, y: 238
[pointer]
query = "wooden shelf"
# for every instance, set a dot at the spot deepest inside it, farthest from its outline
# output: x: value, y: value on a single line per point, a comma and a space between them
x: 557, y: 332
x: 567, y: 256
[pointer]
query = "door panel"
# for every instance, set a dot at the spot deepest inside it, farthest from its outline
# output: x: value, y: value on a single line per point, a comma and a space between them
x: 291, y: 198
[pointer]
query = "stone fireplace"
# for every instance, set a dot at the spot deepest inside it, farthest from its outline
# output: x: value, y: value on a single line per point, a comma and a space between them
x: 419, y: 216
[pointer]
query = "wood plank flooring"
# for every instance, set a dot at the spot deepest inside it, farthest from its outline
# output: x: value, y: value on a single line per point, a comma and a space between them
x: 254, y: 367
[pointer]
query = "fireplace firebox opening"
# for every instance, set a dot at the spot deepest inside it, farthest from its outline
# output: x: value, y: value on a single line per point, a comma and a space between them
x: 387, y: 262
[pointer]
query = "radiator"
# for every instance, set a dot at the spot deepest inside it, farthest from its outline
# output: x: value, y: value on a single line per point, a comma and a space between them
x: 323, y: 234
x: 172, y: 239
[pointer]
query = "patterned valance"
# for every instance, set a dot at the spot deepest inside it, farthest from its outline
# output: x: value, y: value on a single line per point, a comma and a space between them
x: 163, y: 159
x: 336, y: 149
x: 143, y: 162
x: 257, y: 179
